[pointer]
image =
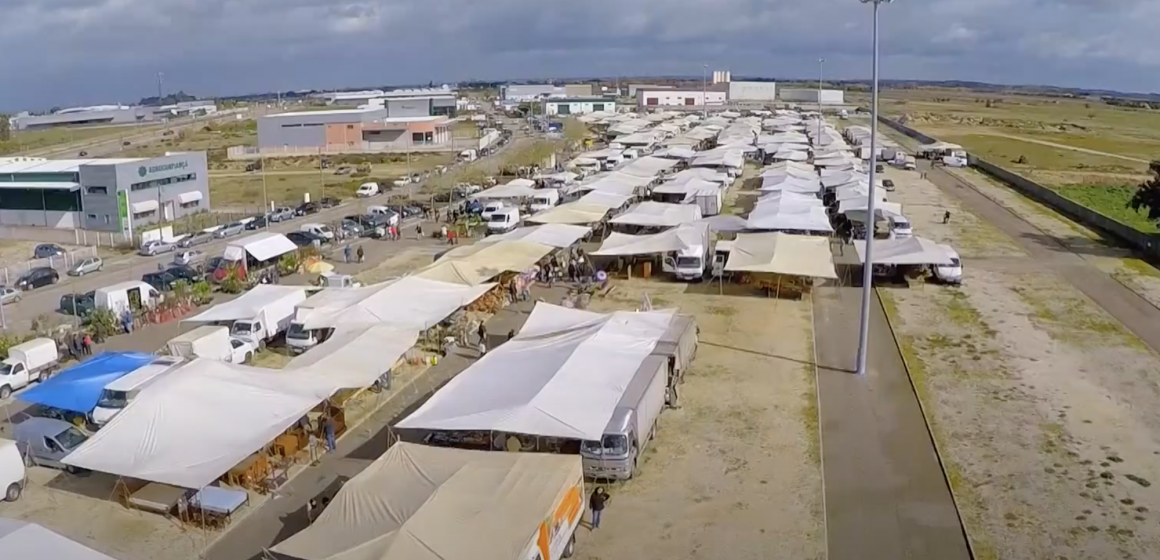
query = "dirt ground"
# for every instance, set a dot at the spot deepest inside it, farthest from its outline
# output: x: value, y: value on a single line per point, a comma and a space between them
x: 1045, y: 409
x: 735, y: 472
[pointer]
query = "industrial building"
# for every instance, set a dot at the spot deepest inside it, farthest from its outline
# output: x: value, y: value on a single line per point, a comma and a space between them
x: 105, y: 115
x: 752, y: 91
x: 828, y: 96
x: 713, y: 95
x: 633, y: 88
x: 420, y: 102
x: 722, y: 76
x: 117, y: 195
x: 578, y: 105
x: 520, y: 93
x: 366, y: 129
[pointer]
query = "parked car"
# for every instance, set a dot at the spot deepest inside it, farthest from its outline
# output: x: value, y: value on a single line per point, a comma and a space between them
x: 402, y: 181
x: 37, y: 277
x: 161, y: 281
x: 351, y: 228
x: 307, y: 208
x: 281, y: 214
x: 241, y: 350
x: 328, y: 202
x: 199, y: 238
x: 47, y: 441
x: 412, y: 211
x: 367, y: 189
x: 187, y: 273
x: 91, y: 264
x: 78, y: 304
x: 888, y: 185
x: 258, y: 222
x: 46, y: 250
x: 229, y: 230
x: 9, y: 295
x: 303, y: 238
x: 155, y: 247
x: 189, y: 258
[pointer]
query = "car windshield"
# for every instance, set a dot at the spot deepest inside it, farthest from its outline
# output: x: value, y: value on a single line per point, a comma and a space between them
x: 297, y: 332
x: 688, y: 262
x: 956, y: 262
x: 235, y: 343
x: 5, y: 369
x: 242, y: 328
x: 113, y: 399
x: 71, y: 438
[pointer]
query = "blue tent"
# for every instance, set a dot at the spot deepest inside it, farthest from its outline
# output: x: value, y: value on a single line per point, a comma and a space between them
x: 78, y: 388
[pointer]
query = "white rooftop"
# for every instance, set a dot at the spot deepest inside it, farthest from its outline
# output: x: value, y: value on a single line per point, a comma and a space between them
x: 60, y: 165
x: 352, y: 111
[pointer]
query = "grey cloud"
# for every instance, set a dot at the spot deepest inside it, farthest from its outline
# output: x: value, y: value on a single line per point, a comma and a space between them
x: 109, y: 50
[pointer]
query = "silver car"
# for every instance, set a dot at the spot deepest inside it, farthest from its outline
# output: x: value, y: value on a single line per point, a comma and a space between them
x: 91, y: 264
x: 155, y: 247
x: 199, y: 238
x: 229, y: 230
x: 189, y: 258
x: 281, y: 215
x: 9, y: 295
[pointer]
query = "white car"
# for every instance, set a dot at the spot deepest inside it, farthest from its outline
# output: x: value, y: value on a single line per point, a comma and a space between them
x: 952, y: 273
x: 188, y: 258
x: 242, y: 350
x: 9, y: 295
x: 91, y: 264
x: 367, y: 189
x: 403, y: 181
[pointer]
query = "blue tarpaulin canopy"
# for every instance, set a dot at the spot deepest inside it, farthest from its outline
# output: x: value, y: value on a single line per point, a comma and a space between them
x: 78, y: 388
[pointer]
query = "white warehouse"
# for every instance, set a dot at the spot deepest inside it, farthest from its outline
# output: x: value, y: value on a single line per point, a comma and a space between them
x: 646, y: 98
x: 578, y: 105
x: 752, y: 91
x: 829, y: 96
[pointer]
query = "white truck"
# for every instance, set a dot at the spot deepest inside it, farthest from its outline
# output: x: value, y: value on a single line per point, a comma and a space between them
x: 120, y: 392
x: 545, y: 199
x: 130, y: 295
x: 503, y: 220
x: 300, y: 339
x: 213, y: 342
x: 691, y: 263
x: 468, y: 156
x: 272, y: 319
x: 34, y: 360
x: 632, y: 426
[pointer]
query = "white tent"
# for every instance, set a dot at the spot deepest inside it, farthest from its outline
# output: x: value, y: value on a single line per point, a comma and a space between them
x: 857, y: 207
x: 856, y: 192
x: 507, y: 191
x: 782, y: 253
x: 781, y: 215
x: 262, y: 246
x: 786, y: 154
x: 685, y: 186
x: 791, y: 183
x: 418, y: 502
x: 723, y: 222
x: 21, y: 540
x: 644, y: 138
x: 649, y: 166
x: 473, y: 265
x: 409, y: 303
x: 354, y: 358
x: 576, y: 213
x: 555, y: 235
x: 912, y: 250
x: 669, y: 241
x: 719, y: 159
x: 700, y: 173
x: 561, y: 376
x: 789, y: 197
x: 677, y: 152
x: 251, y: 303
x: 189, y: 429
x: 658, y: 214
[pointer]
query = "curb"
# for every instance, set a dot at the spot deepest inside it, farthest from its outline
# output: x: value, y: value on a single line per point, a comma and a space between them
x: 938, y: 454
x: 821, y: 444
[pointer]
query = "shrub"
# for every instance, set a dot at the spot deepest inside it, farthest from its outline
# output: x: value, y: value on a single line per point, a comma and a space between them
x: 102, y: 323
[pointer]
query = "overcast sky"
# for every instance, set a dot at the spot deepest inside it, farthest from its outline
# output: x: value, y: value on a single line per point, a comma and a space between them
x: 68, y: 52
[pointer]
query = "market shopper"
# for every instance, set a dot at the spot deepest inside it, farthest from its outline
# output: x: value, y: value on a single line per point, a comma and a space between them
x: 346, y: 254
x: 596, y: 504
x: 360, y: 253
x: 329, y: 426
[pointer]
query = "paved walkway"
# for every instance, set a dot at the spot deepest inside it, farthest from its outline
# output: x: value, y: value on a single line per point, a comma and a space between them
x: 886, y: 495
x: 1129, y: 308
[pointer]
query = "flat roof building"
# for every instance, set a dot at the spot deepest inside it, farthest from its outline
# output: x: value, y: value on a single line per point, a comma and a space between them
x: 530, y: 92
x: 105, y: 115
x: 711, y: 96
x: 805, y: 95
x: 109, y: 194
x: 578, y: 105
x: 417, y: 102
x: 366, y: 129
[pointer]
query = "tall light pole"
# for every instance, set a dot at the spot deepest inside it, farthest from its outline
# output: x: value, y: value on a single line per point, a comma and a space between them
x: 868, y: 265
x: 821, y: 63
x: 704, y: 91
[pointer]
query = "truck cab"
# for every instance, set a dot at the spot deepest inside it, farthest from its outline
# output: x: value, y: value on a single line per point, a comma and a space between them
x: 503, y: 221
x: 690, y: 264
x: 251, y: 330
x: 491, y: 208
x: 31, y: 361
x: 632, y: 426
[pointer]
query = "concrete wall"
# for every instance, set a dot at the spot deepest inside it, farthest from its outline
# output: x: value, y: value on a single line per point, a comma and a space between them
x: 100, y: 210
x: 50, y: 219
x: 307, y: 128
x: 408, y: 108
x: 805, y: 95
x: 1146, y: 243
x: 678, y: 98
x: 579, y: 107
x: 752, y: 91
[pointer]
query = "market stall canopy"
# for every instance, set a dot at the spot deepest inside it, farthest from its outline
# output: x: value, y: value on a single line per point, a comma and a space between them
x: 606, y: 199
x: 702, y: 173
x: 262, y: 246
x: 555, y: 235
x: 485, y: 262
x: 583, y: 162
x: 854, y: 193
x: 78, y: 388
x: 669, y: 241
x: 251, y: 303
x: 856, y: 209
x: 909, y: 251
x: 792, y: 184
x: 408, y: 303
x: 790, y: 198
x: 649, y: 166
x: 561, y: 376
x: 787, y: 216
x: 354, y: 358
x: 782, y: 253
x: 685, y: 186
x: 658, y: 214
x: 677, y: 152
x: 417, y: 502
x: 571, y: 213
x: 189, y: 429
x: 791, y: 155
x: 719, y: 159
x: 724, y: 222
x: 506, y: 191
x: 21, y: 540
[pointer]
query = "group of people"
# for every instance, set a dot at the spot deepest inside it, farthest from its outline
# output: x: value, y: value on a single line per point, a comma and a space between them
x: 349, y: 254
x: 572, y: 265
x: 78, y: 345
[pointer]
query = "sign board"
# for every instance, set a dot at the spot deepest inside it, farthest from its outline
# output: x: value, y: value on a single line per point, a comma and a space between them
x: 143, y: 171
x: 123, y: 212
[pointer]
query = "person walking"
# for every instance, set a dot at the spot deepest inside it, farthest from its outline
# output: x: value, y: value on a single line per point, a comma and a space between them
x: 329, y: 428
x: 311, y: 507
x: 596, y: 504
x: 947, y: 217
x: 482, y: 332
x: 88, y: 344
x: 360, y: 254
x: 346, y: 254
x: 418, y: 232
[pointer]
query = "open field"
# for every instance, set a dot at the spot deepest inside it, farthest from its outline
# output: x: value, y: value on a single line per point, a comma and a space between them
x: 735, y: 472
x: 1044, y: 407
x: 24, y: 141
x: 213, y: 138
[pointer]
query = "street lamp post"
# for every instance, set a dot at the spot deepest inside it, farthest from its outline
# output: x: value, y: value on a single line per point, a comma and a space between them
x: 868, y: 264
x: 821, y: 62
x: 705, y: 91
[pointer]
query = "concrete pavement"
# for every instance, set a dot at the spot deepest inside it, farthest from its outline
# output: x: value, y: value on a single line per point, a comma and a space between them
x: 885, y: 493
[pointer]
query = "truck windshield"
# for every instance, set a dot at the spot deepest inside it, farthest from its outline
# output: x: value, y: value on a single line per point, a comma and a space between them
x: 113, y: 399
x: 297, y: 332
x: 688, y: 262
x: 612, y: 445
x: 242, y: 328
x: 5, y: 369
x: 70, y: 439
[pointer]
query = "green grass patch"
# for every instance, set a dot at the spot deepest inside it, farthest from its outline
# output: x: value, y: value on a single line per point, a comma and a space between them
x: 1005, y: 152
x: 1111, y: 201
x: 1139, y: 267
x: 1073, y: 320
x: 31, y: 140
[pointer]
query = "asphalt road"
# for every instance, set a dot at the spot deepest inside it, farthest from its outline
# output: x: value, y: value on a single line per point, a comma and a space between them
x: 46, y: 300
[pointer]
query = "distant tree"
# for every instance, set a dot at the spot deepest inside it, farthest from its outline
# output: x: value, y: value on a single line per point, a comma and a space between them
x: 5, y: 130
x: 1148, y: 194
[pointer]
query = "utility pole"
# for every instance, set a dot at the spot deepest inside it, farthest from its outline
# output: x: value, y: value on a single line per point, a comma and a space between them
x: 265, y: 196
x: 160, y: 79
x: 821, y: 63
x: 705, y: 91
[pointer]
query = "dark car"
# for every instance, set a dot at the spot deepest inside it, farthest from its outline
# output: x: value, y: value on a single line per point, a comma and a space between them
x: 187, y: 273
x: 37, y: 277
x: 46, y: 250
x: 304, y: 239
x: 256, y: 223
x: 78, y: 304
x: 307, y: 208
x: 161, y: 281
x: 328, y: 202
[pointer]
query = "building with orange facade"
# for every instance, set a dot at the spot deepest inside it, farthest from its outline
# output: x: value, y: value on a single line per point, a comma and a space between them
x: 367, y: 129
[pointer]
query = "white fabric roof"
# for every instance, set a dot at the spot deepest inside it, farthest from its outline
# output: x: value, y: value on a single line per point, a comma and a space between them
x: 606, y: 199
x: 472, y: 265
x: 571, y: 213
x: 353, y: 358
x: 189, y: 429
x: 782, y: 253
x: 858, y: 206
x: 700, y: 173
x: 418, y: 502
x: 261, y: 246
x: 716, y: 159
x: 669, y: 241
x: 187, y: 197
x: 648, y: 166
x: 507, y: 191
x: 21, y: 540
x: 791, y: 155
x: 912, y: 250
x: 781, y: 215
x: 791, y: 183
x: 561, y: 376
x: 249, y: 304
x: 649, y: 213
x: 677, y: 152
x: 688, y: 185
x: 143, y: 206
x: 555, y: 235
x: 409, y: 303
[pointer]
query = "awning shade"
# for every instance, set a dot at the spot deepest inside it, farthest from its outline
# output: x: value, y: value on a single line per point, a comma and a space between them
x: 555, y: 235
x: 561, y: 376
x: 143, y: 206
x: 253, y: 302
x: 474, y: 265
x: 417, y: 502
x: 670, y: 241
x: 506, y: 191
x: 77, y: 388
x: 262, y: 246
x: 20, y: 540
x: 691, y: 184
x: 782, y: 253
x: 354, y: 358
x: 909, y: 251
x: 410, y: 302
x: 188, y: 197
x: 789, y: 216
x: 577, y: 213
x: 649, y: 166
x: 658, y: 214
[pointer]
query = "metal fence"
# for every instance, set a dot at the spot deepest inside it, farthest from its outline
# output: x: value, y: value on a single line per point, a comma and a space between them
x: 60, y: 263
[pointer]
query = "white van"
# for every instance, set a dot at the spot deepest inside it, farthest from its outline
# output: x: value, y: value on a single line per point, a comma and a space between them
x: 503, y: 220
x: 952, y: 273
x: 321, y: 230
x: 118, y: 394
x: 367, y: 189
x: 900, y: 228
x: 630, y: 154
x: 134, y: 294
x: 12, y: 475
x: 545, y: 199
x: 393, y: 217
x: 491, y: 208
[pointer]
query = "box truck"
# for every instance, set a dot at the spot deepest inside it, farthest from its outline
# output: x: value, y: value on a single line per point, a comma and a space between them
x: 131, y: 296
x: 632, y: 426
x: 34, y: 360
